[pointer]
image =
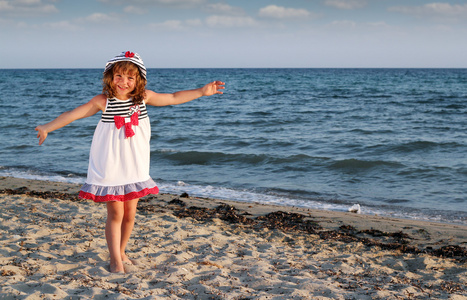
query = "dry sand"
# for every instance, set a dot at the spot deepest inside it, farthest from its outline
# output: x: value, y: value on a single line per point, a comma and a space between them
x: 52, y: 246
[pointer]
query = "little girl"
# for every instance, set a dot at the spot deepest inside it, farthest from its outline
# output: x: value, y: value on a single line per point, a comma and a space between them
x: 118, y: 172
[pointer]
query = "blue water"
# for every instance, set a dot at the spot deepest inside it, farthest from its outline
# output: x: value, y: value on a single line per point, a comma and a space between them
x: 392, y: 140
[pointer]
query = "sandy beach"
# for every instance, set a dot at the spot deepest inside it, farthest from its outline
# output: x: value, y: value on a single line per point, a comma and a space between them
x: 52, y: 246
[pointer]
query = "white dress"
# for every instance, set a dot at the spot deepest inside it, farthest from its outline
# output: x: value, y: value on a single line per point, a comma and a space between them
x: 119, y: 156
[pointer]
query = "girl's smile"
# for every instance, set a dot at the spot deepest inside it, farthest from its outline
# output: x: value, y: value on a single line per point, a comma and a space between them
x: 124, y: 84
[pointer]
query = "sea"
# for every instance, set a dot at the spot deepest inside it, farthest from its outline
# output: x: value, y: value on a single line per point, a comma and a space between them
x: 393, y: 141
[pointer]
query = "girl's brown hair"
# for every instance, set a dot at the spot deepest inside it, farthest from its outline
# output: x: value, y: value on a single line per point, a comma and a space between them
x: 138, y: 94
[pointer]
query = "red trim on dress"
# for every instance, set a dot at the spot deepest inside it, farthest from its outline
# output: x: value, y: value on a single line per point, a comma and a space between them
x: 120, y: 198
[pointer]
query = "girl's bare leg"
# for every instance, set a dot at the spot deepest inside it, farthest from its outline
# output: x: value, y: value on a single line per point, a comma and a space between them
x: 128, y: 223
x: 113, y: 234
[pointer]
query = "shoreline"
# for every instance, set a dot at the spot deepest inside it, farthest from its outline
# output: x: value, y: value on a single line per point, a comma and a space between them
x: 435, y: 217
x: 328, y: 219
x: 197, y: 247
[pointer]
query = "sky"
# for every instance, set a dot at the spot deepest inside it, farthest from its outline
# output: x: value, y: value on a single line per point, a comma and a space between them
x: 235, y: 33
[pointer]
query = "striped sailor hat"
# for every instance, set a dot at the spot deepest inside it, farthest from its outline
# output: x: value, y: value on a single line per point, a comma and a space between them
x: 127, y: 56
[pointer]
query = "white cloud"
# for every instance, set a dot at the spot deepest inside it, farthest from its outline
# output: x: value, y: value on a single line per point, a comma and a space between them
x: 179, y: 3
x: 134, y: 10
x: 229, y: 21
x: 62, y: 25
x: 26, y: 7
x: 436, y: 10
x: 214, y: 21
x: 99, y: 18
x: 13, y: 24
x: 5, y: 6
x: 169, y: 25
x: 46, y: 9
x: 361, y: 27
x: 194, y: 23
x: 346, y: 4
x: 222, y: 8
x: 379, y: 25
x: 343, y: 24
x: 27, y: 2
x: 279, y: 12
x: 177, y: 25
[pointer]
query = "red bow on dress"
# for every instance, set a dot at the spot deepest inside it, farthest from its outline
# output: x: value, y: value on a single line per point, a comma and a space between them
x: 128, y: 122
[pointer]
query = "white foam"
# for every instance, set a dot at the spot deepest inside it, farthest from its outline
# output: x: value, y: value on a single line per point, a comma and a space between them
x: 38, y: 176
x: 355, y: 209
x: 245, y: 196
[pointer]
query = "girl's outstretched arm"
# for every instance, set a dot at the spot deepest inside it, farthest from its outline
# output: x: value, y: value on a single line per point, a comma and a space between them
x: 180, y: 97
x: 83, y: 111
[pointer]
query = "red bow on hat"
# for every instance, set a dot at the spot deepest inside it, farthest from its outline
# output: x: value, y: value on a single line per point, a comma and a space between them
x: 128, y: 122
x: 129, y: 54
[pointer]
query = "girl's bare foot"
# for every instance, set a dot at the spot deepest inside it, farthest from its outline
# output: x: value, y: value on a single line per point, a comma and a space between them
x: 126, y: 260
x: 116, y: 268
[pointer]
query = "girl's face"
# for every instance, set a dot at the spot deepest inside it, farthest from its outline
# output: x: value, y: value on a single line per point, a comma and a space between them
x: 124, y: 83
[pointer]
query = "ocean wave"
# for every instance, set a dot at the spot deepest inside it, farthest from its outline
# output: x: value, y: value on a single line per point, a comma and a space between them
x: 458, y: 106
x: 297, y: 158
x: 375, y: 131
x: 358, y: 164
x: 18, y: 147
x: 204, y: 158
x: 414, y: 146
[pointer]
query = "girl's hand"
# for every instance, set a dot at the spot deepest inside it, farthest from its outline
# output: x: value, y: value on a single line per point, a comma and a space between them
x: 41, y: 134
x: 213, y: 88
